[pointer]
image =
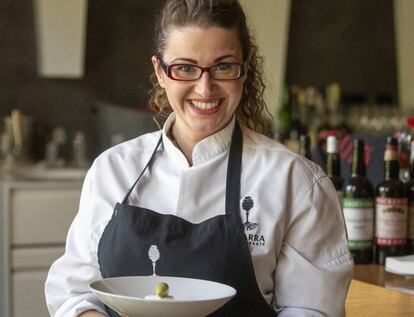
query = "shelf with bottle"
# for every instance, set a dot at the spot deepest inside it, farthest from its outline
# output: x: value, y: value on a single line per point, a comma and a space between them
x: 316, y: 111
x: 290, y: 127
x: 375, y: 118
x: 374, y: 230
x: 379, y: 224
x: 309, y: 111
x: 320, y: 113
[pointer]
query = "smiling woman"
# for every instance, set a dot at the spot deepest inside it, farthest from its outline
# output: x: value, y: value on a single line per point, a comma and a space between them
x: 252, y: 110
x: 203, y: 103
x: 217, y: 200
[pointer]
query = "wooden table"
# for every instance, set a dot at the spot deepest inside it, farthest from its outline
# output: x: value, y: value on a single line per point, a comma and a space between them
x: 373, y: 293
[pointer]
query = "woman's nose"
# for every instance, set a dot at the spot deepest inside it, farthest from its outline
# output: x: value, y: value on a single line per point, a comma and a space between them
x: 205, y: 85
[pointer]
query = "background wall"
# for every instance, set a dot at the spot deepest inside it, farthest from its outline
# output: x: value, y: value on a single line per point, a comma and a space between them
x: 269, y: 21
x: 404, y: 26
x: 351, y: 42
x: 117, y: 65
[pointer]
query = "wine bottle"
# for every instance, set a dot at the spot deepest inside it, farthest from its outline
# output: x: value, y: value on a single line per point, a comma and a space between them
x: 391, y: 206
x: 304, y: 146
x: 333, y: 164
x: 296, y: 128
x: 410, y: 188
x: 358, y: 208
x: 284, y: 116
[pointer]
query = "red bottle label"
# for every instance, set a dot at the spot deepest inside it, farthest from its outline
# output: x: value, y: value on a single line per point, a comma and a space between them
x: 391, y: 221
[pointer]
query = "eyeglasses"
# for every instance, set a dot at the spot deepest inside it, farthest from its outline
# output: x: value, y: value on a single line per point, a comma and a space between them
x: 188, y: 72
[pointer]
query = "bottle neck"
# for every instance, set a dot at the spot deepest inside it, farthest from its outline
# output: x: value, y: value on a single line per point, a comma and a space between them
x: 304, y: 147
x: 391, y: 169
x: 358, y: 163
x: 391, y: 163
x: 305, y: 152
x: 333, y: 164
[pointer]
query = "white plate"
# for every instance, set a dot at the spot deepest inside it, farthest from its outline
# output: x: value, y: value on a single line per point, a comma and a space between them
x: 398, y: 272
x: 192, y: 297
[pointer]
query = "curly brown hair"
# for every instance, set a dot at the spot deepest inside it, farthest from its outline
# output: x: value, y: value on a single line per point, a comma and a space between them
x: 252, y: 110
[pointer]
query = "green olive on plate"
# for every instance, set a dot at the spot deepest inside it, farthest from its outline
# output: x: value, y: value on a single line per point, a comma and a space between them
x: 162, y: 289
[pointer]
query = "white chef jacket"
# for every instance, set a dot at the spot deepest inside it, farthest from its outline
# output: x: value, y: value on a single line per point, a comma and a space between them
x: 298, y: 245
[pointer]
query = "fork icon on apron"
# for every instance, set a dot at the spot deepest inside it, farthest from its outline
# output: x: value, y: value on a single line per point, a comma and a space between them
x: 154, y: 255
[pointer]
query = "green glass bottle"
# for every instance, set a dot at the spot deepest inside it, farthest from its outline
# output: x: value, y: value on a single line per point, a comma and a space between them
x: 333, y: 164
x: 358, y: 208
x: 284, y: 116
x: 304, y: 146
x: 391, y: 204
x: 295, y: 128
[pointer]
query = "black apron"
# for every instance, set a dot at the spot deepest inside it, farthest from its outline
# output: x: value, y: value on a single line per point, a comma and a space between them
x: 215, y: 249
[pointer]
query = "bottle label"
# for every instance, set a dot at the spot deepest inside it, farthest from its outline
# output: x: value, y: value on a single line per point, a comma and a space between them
x: 411, y: 222
x: 359, y: 219
x: 391, y: 221
x: 391, y: 152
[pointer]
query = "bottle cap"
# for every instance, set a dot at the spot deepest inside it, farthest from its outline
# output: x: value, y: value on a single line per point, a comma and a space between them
x: 358, y: 143
x: 332, y: 144
x: 391, y: 140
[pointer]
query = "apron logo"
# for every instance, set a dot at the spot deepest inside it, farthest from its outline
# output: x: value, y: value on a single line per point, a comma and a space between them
x: 253, y: 239
x: 256, y: 239
x: 154, y: 255
x: 247, y: 204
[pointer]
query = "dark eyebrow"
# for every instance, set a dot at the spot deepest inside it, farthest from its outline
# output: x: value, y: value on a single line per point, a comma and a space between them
x: 193, y: 61
x: 218, y: 59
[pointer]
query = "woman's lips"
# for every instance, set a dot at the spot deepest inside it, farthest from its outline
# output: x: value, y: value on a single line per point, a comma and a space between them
x: 205, y: 107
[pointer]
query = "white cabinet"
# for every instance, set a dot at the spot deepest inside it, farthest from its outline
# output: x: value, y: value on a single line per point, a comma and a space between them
x: 28, y: 298
x: 34, y: 220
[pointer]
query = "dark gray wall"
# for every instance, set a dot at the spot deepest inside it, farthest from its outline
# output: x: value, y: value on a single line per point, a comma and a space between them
x: 348, y: 41
x: 117, y: 64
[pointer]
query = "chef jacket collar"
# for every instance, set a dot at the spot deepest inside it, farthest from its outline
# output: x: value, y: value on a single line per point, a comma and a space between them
x: 207, y: 149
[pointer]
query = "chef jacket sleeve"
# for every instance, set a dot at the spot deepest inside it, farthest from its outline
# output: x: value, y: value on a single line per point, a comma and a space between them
x: 67, y: 285
x: 314, y: 266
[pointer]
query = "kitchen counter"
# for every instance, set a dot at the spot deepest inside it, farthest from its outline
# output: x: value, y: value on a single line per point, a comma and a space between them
x: 38, y: 172
x: 376, y: 275
x: 375, y: 292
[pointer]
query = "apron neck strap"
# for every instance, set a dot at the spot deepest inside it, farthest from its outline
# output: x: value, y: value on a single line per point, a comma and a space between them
x: 143, y: 171
x: 234, y: 172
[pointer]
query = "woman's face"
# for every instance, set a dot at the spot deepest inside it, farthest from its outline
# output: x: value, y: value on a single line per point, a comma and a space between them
x: 206, y: 105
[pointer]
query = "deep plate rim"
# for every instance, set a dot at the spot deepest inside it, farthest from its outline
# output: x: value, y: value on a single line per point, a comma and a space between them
x: 143, y: 300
